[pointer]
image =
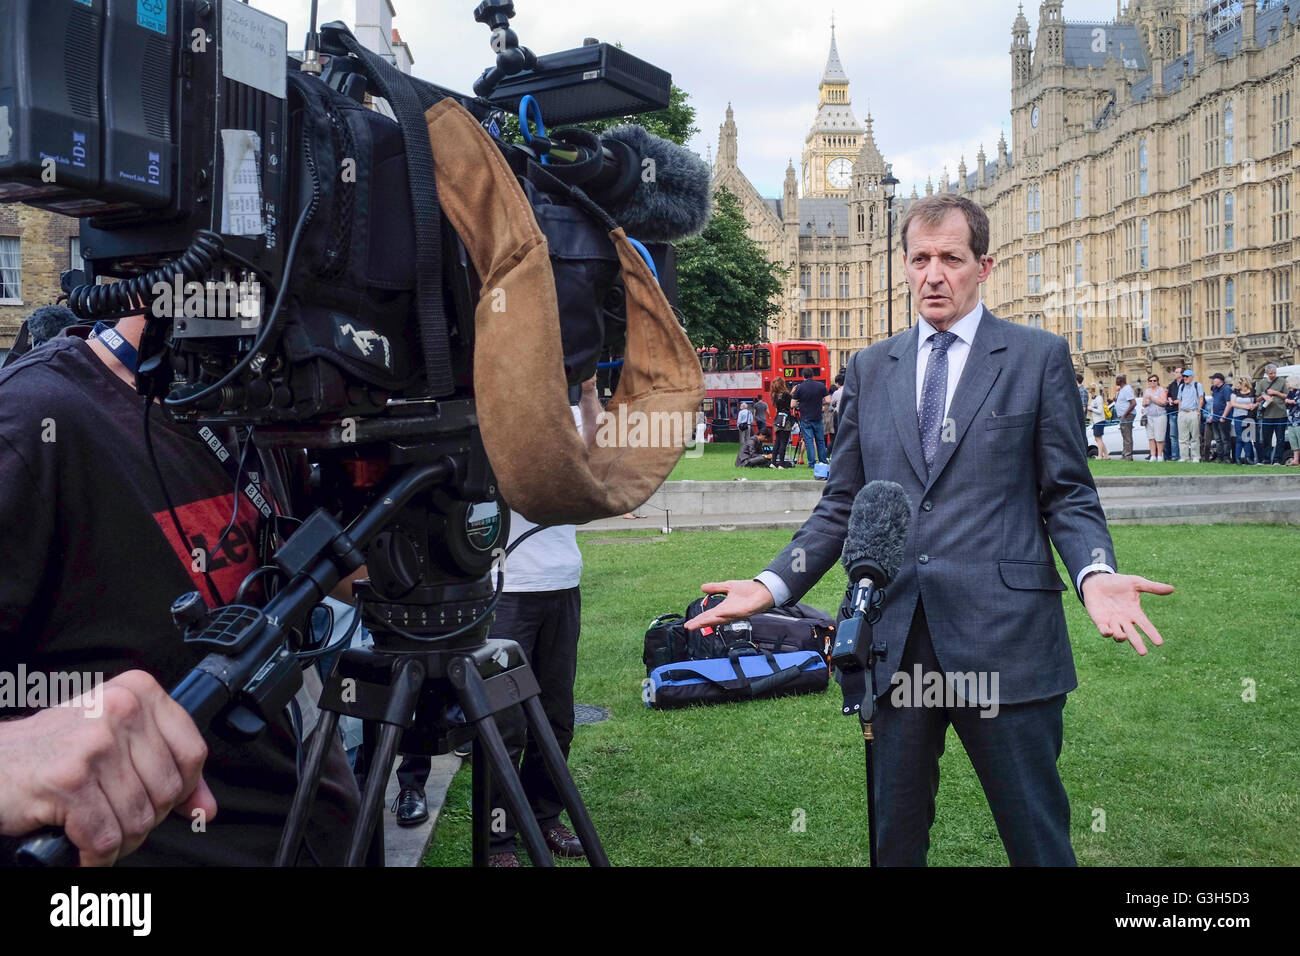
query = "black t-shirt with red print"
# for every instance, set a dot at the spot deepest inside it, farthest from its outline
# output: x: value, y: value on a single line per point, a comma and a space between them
x: 90, y: 563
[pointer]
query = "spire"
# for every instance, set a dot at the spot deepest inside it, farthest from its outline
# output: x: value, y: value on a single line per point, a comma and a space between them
x: 981, y: 167
x: 727, y: 149
x: 834, y: 72
x: 929, y: 186
x: 790, y: 199
x: 1002, y: 147
x: 869, y: 159
x: 961, y: 175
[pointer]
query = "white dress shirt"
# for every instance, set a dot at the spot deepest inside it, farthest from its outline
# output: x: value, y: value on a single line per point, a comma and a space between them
x: 965, y: 329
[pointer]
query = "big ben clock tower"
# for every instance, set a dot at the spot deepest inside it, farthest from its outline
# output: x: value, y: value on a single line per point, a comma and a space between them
x: 836, y: 136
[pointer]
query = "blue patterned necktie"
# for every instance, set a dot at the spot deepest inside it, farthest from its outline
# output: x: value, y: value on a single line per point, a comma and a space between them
x: 934, y: 394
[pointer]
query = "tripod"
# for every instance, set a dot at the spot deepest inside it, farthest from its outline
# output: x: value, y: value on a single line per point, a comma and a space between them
x: 396, y: 692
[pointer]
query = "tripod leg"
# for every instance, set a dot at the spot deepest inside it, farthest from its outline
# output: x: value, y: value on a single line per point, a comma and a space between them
x: 540, y: 729
x: 500, y: 768
x: 381, y: 767
x: 305, y: 795
x: 481, y: 778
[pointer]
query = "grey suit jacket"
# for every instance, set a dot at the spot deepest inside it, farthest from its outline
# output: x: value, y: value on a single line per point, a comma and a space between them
x: 1011, y: 471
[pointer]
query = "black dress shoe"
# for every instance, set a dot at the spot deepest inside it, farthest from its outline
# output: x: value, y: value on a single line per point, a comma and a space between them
x: 562, y: 841
x: 412, y: 808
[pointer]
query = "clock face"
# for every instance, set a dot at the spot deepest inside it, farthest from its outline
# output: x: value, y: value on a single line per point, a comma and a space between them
x: 1033, y: 118
x: 839, y: 173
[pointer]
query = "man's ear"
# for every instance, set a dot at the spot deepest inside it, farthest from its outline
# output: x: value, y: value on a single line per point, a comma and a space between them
x: 986, y: 267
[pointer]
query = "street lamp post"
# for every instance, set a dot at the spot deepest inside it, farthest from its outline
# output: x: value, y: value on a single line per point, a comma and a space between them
x: 890, y: 184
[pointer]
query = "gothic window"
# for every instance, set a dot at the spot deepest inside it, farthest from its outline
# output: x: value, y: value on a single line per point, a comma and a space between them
x: 845, y: 329
x: 1142, y: 166
x: 1229, y: 306
x: 805, y: 281
x: 1281, y: 121
x: 1229, y: 211
x: 824, y: 324
x: 11, y: 270
x: 824, y: 283
x: 1213, y: 304
x: 844, y: 282
x: 1228, y: 125
x: 1144, y: 257
x: 1078, y: 193
x: 1282, y: 300
x: 1282, y: 209
x: 1078, y: 262
x: 805, y: 325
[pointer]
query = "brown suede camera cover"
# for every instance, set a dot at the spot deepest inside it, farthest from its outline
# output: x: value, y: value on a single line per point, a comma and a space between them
x: 542, y: 465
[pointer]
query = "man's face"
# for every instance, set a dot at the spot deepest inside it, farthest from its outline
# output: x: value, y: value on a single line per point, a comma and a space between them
x: 943, y: 272
x: 1271, y: 373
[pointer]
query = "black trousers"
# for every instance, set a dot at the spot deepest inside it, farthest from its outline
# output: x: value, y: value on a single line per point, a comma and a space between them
x: 1014, y: 755
x: 779, y: 446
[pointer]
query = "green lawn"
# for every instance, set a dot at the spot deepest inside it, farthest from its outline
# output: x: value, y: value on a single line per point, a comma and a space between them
x: 1184, y: 770
x: 718, y: 464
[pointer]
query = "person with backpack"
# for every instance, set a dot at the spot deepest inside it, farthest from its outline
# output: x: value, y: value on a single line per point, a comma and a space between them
x: 1220, y: 429
x: 782, y: 421
x: 1272, y: 415
x: 744, y: 421
x: 1191, y: 399
x: 1097, y: 412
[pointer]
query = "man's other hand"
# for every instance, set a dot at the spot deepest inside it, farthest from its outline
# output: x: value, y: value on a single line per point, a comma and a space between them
x: 1114, y: 602
x: 107, y: 767
x: 744, y: 599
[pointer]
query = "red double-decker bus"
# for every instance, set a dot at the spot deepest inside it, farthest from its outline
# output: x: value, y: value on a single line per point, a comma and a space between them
x: 744, y: 372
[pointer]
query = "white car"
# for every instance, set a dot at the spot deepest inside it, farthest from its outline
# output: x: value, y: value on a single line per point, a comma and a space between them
x: 1115, y: 442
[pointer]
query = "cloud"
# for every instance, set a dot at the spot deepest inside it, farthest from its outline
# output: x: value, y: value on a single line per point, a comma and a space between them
x: 935, y: 74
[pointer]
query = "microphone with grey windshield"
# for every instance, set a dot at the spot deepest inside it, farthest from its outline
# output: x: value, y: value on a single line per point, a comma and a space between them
x: 873, y: 552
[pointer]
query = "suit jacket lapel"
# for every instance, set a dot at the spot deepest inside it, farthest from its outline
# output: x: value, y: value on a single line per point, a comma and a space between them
x: 902, y: 398
x: 981, y: 371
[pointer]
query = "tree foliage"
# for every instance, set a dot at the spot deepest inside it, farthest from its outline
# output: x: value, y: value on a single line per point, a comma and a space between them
x: 675, y: 123
x: 727, y: 286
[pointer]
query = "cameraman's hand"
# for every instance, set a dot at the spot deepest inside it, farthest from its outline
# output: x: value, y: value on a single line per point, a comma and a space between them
x: 744, y: 598
x: 107, y: 767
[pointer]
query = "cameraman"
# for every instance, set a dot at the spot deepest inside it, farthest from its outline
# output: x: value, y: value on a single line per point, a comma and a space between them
x: 92, y: 561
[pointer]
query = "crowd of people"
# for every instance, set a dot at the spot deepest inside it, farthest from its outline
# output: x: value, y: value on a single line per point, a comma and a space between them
x: 1245, y: 421
x: 811, y: 409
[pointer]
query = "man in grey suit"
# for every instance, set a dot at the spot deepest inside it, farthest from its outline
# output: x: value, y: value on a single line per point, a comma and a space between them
x: 974, y: 417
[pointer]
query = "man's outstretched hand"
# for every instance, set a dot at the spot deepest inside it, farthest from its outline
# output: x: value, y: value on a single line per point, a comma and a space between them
x: 1114, y: 602
x: 744, y: 598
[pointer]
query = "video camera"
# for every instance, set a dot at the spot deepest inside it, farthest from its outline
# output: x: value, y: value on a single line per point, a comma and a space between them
x: 262, y: 213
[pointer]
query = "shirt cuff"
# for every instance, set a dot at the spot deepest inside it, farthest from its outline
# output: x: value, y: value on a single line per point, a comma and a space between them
x: 773, y: 582
x: 1078, y: 580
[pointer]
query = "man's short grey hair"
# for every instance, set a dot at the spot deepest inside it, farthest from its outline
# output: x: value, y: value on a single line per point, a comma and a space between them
x: 933, y: 210
x: 1270, y: 367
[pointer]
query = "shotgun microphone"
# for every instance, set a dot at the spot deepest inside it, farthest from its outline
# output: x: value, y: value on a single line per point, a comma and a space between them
x: 873, y: 552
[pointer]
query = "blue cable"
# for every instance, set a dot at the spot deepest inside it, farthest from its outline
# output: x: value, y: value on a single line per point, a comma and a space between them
x: 526, y: 105
x: 645, y: 254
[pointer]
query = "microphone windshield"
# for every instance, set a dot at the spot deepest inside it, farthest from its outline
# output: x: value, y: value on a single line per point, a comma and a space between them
x: 877, y: 533
x: 671, y: 200
x: 48, y: 321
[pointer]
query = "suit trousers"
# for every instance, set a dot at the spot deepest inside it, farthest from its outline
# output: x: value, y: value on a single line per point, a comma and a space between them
x: 1014, y: 755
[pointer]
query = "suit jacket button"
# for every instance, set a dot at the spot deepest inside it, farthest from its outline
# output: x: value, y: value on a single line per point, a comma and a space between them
x: 924, y: 559
x: 927, y: 505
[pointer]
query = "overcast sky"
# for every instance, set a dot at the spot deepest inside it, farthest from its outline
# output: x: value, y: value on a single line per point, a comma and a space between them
x: 935, y: 73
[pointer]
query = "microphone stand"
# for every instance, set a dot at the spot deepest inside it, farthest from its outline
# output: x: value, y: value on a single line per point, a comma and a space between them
x: 856, y: 653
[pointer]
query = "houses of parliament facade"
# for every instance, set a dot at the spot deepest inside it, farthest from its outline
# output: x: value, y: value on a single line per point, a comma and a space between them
x: 1148, y: 213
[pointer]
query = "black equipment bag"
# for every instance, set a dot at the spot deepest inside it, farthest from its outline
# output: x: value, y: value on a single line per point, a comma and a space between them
x: 665, y: 641
x: 738, y: 676
x: 798, y: 628
x: 779, y: 631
